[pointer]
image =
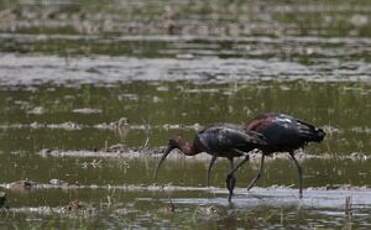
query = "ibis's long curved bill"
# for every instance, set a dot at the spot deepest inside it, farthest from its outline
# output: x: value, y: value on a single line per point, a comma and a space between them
x: 166, y: 153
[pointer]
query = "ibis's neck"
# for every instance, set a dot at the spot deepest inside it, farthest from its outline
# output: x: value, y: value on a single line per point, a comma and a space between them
x: 188, y: 149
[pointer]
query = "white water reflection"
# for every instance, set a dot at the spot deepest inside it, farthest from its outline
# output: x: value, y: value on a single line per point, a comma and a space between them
x: 37, y: 70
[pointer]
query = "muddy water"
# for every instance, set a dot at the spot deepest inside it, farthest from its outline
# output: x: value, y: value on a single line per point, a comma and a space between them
x: 88, y: 101
x: 55, y: 131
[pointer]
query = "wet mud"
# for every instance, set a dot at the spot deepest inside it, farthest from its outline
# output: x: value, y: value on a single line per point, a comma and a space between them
x: 73, y: 159
x: 90, y: 95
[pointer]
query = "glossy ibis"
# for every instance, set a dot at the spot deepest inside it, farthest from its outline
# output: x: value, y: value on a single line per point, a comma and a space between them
x: 220, y: 140
x: 283, y: 133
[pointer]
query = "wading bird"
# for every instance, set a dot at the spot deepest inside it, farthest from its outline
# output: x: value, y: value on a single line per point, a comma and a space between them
x: 220, y: 140
x: 283, y: 133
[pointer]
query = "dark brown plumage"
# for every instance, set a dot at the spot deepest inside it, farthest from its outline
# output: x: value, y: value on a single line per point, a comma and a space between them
x: 220, y: 140
x: 283, y: 133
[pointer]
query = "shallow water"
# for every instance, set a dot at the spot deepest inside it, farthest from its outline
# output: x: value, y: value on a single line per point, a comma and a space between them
x: 51, y: 130
x: 96, y: 108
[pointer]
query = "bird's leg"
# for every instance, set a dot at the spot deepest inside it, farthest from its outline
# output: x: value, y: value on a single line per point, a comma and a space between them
x: 230, y: 181
x: 233, y: 170
x: 256, y: 178
x: 300, y: 172
x: 212, y: 162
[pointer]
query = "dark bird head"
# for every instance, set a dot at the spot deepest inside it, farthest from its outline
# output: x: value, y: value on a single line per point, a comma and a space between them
x: 174, y: 143
x: 320, y: 135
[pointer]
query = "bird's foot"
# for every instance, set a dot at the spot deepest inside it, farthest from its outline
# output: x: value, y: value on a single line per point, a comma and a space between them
x: 230, y: 182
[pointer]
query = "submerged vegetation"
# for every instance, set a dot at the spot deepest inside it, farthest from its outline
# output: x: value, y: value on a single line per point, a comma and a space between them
x: 217, y: 17
x: 90, y: 92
